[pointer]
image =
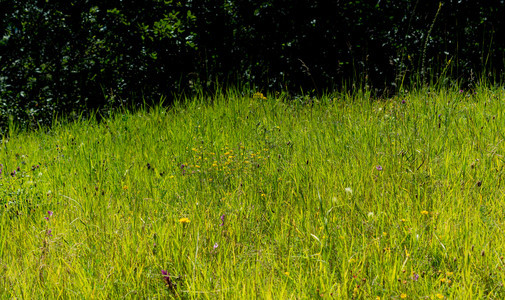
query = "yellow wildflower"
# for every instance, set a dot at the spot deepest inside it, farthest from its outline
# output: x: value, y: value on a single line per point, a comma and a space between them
x: 424, y: 212
x: 184, y: 220
x: 440, y: 296
x: 403, y: 296
x: 259, y: 95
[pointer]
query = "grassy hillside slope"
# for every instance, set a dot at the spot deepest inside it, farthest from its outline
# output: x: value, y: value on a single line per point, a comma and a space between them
x: 241, y: 197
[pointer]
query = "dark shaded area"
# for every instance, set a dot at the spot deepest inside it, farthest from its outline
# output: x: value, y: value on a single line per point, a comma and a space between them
x: 68, y: 57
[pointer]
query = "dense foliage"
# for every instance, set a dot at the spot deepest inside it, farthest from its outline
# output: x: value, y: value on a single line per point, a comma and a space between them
x: 67, y: 56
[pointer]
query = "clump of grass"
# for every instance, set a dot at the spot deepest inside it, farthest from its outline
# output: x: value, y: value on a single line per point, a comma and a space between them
x: 261, y: 196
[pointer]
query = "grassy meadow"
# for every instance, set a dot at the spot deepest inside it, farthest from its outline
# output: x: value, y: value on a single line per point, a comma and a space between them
x: 261, y: 196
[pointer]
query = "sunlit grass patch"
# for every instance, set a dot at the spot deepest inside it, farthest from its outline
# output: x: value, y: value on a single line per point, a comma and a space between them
x: 249, y: 196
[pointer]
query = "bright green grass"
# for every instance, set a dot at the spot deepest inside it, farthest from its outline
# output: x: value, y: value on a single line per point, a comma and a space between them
x: 307, y: 213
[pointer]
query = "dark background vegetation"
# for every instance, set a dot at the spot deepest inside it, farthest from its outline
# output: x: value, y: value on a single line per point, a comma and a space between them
x: 67, y: 57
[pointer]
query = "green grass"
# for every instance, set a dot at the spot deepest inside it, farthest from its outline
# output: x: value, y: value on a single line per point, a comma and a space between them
x: 307, y: 212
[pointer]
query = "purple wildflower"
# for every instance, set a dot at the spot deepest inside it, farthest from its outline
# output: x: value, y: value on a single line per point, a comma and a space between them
x: 222, y: 219
x: 216, y: 245
x: 461, y: 91
x: 49, y: 232
x: 167, y: 279
x: 403, y: 101
x: 379, y: 168
x: 49, y: 214
x: 415, y: 277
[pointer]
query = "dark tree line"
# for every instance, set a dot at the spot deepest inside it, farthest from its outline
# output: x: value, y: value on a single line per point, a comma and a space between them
x: 69, y: 56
